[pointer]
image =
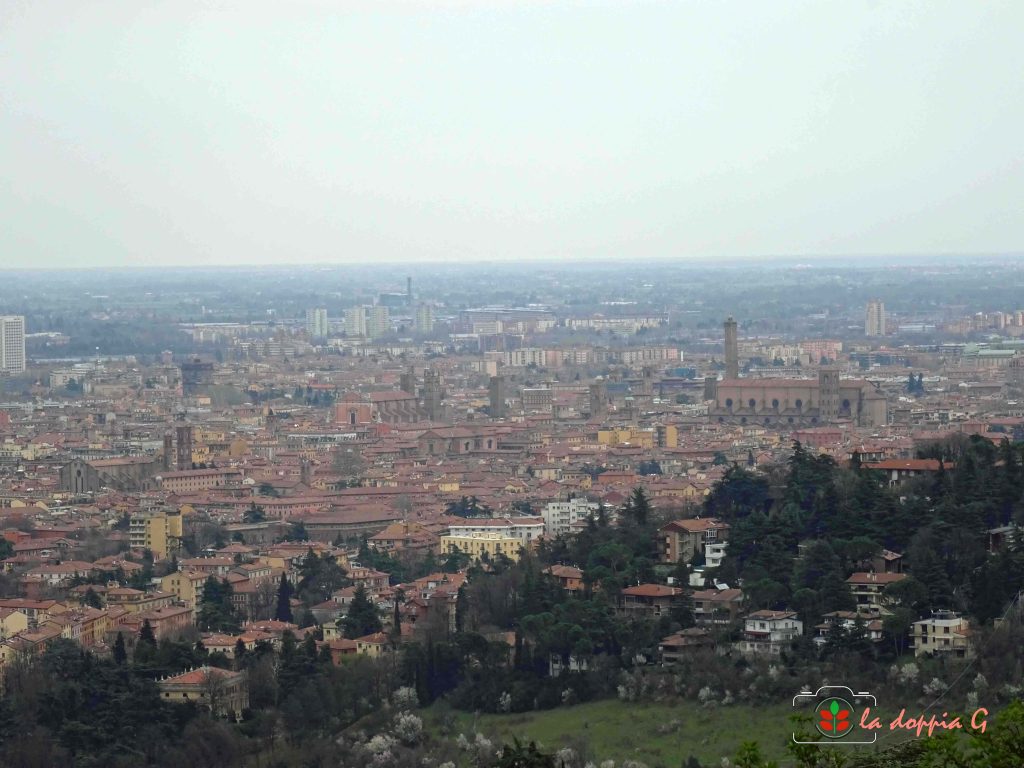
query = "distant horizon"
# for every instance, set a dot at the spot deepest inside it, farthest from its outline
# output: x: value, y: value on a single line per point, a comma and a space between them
x: 753, y: 260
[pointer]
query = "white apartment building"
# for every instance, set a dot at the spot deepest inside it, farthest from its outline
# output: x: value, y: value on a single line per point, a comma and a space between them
x: 521, y: 358
x: 525, y: 530
x: 355, y: 321
x: 560, y: 516
x: 874, y: 318
x: 378, y: 322
x: 316, y: 323
x: 12, y: 344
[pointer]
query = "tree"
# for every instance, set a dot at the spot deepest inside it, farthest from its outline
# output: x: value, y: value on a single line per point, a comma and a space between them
x: 146, y: 635
x: 362, y: 618
x: 254, y: 514
x: 637, y: 507
x: 216, y: 611
x: 120, y: 653
x: 91, y: 599
x: 284, y: 594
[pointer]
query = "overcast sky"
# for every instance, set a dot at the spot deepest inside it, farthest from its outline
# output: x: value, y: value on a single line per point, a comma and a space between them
x: 296, y: 132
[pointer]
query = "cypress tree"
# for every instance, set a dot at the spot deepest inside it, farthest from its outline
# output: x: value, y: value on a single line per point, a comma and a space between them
x: 284, y: 594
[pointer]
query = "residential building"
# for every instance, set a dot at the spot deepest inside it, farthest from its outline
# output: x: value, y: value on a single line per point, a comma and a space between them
x: 769, y: 632
x: 12, y: 344
x: 160, y: 533
x: 717, y: 606
x: 868, y: 589
x: 676, y: 646
x: 424, y: 320
x: 137, y: 601
x: 186, y: 585
x: 683, y: 540
x: 568, y: 577
x: 944, y: 633
x: 874, y: 318
x: 378, y: 322
x: 848, y: 620
x: 317, y: 325
x: 223, y: 692
x: 526, y: 530
x: 561, y: 516
x: 486, y: 546
x: 651, y: 600
x: 355, y: 321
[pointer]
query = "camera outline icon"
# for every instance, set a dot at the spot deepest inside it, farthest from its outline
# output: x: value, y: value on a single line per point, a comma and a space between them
x: 840, y: 693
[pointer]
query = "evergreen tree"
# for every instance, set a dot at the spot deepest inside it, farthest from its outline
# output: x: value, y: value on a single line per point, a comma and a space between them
x: 284, y: 594
x: 91, y: 599
x: 146, y: 635
x: 120, y: 653
x: 362, y: 618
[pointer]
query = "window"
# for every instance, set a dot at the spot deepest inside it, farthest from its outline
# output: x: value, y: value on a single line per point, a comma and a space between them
x: 752, y: 402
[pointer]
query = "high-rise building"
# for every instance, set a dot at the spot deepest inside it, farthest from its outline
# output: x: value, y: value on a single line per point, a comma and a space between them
x: 424, y: 322
x: 378, y: 322
x: 732, y: 350
x: 12, y: 344
x: 316, y: 323
x: 874, y: 319
x: 355, y: 321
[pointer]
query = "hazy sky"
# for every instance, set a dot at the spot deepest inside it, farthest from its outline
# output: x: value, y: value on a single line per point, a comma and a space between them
x: 260, y: 132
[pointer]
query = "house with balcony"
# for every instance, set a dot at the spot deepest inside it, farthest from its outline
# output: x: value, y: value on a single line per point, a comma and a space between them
x: 717, y: 606
x: 649, y: 600
x: 944, y: 633
x: 868, y: 589
x: 682, y: 540
x: 769, y: 632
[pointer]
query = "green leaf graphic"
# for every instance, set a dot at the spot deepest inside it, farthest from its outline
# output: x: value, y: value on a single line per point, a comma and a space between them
x: 834, y: 707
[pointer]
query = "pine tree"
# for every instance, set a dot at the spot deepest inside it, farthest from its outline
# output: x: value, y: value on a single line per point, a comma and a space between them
x: 284, y: 594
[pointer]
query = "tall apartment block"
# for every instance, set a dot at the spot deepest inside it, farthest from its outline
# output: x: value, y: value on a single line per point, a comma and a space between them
x: 874, y: 318
x: 424, y: 320
x: 12, y: 344
x: 355, y: 321
x: 378, y: 322
x: 316, y: 323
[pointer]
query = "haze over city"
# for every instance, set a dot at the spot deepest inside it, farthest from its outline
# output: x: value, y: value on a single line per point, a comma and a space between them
x: 190, y: 133
x: 463, y: 384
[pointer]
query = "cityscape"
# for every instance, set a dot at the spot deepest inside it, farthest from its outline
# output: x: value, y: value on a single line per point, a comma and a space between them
x: 511, y: 384
x: 576, y: 494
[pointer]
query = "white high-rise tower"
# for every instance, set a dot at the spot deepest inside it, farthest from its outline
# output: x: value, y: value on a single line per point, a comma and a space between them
x: 12, y: 344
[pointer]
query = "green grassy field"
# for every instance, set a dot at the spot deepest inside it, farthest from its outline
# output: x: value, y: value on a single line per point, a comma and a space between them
x: 655, y: 734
